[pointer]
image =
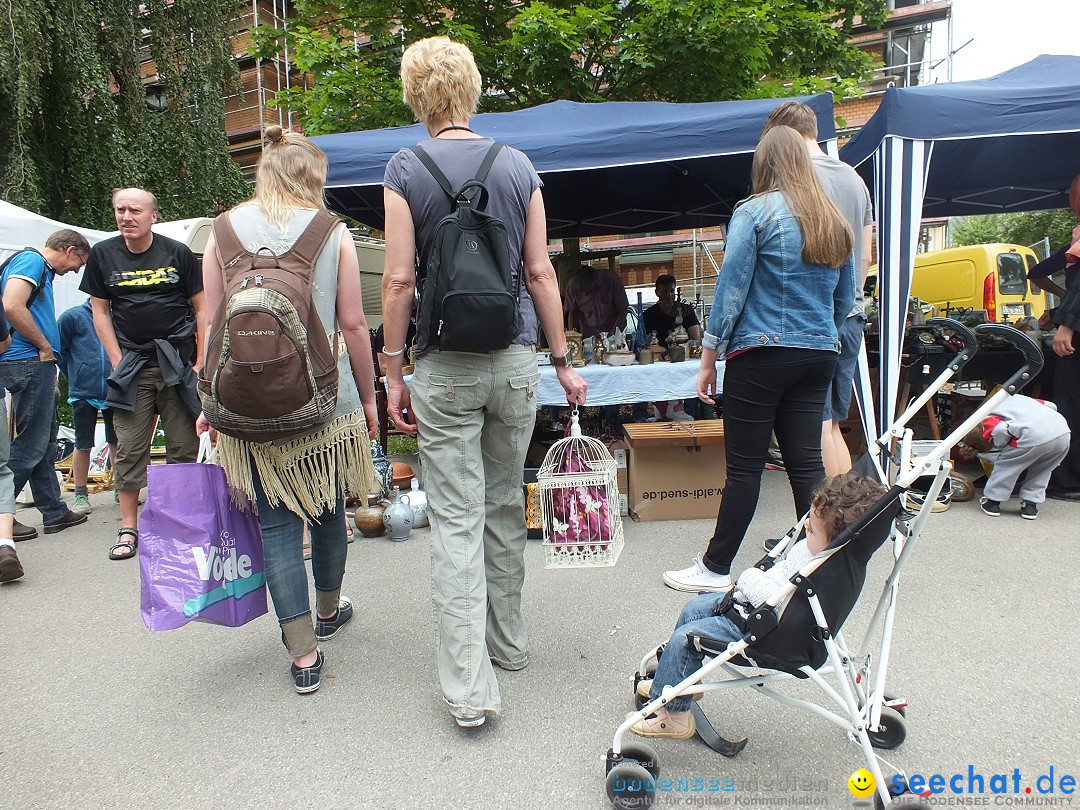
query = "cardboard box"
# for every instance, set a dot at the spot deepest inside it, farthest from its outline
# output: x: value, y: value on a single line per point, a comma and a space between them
x: 618, y: 450
x: 676, y: 469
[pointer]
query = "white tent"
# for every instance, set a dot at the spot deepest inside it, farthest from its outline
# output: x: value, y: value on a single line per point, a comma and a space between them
x: 20, y: 228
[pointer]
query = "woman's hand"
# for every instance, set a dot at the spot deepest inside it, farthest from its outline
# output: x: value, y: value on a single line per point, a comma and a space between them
x: 575, y: 387
x: 399, y: 405
x: 1063, y: 341
x: 706, y: 379
x: 203, y: 426
x: 371, y: 416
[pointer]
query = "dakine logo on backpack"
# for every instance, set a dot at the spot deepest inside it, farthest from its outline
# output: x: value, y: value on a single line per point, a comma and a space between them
x: 271, y: 373
x: 471, y: 293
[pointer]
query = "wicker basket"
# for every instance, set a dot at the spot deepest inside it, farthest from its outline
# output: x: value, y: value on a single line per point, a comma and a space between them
x: 579, y: 499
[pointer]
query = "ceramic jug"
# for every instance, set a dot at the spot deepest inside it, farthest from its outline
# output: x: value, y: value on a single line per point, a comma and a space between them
x: 416, y: 499
x: 369, y: 518
x: 398, y: 517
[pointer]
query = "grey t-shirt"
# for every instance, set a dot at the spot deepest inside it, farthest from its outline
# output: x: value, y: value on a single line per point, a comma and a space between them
x: 847, y: 190
x: 510, y: 184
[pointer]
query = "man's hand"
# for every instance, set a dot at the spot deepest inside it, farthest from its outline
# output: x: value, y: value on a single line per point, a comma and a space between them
x: 1063, y: 341
x: 575, y: 387
x: 399, y: 405
x: 203, y: 426
x: 114, y: 360
x: 46, y: 355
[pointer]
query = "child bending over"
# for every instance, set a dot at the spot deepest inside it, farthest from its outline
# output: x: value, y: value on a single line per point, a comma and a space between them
x: 836, y: 504
x: 1032, y: 436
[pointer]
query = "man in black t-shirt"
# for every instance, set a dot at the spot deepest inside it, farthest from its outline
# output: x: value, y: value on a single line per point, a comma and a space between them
x: 146, y: 293
x: 660, y: 318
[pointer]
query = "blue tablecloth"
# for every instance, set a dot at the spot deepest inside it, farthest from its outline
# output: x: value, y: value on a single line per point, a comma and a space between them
x: 615, y: 385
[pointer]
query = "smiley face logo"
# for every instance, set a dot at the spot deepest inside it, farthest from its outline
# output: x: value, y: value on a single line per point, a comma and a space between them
x: 861, y: 783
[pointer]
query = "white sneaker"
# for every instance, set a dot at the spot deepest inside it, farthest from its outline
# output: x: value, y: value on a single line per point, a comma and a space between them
x: 681, y: 416
x: 697, y: 579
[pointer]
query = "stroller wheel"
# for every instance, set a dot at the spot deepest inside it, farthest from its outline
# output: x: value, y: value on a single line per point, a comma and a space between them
x: 644, y: 754
x: 892, y: 732
x: 888, y: 697
x: 963, y: 488
x: 630, y: 786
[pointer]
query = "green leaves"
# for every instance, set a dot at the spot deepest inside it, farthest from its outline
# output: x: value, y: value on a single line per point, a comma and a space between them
x: 1016, y: 229
x: 592, y: 50
x: 77, y: 109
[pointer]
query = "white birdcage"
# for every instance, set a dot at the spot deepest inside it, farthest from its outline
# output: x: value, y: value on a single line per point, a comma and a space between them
x: 579, y: 499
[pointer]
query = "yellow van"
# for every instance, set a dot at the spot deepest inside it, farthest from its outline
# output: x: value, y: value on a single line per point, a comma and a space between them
x: 988, y: 277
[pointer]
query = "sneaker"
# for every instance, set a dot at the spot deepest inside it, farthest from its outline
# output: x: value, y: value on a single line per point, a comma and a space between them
x: 672, y: 725
x: 80, y: 505
x: 66, y: 522
x: 326, y: 629
x: 775, y: 464
x: 468, y: 718
x: 992, y: 508
x: 515, y: 666
x: 20, y: 532
x: 1029, y: 510
x: 10, y: 567
x: 307, y: 679
x: 697, y: 579
x: 681, y: 416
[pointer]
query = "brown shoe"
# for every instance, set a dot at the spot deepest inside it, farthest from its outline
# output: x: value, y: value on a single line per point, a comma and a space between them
x: 10, y: 567
x: 22, y: 532
x: 66, y: 522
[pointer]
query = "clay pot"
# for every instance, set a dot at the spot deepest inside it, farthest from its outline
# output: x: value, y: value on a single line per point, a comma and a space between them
x: 369, y: 518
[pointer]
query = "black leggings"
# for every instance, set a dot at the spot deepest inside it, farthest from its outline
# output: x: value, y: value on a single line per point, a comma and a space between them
x: 765, y: 390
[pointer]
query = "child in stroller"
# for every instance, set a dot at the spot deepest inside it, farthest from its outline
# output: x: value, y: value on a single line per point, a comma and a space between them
x: 837, y: 503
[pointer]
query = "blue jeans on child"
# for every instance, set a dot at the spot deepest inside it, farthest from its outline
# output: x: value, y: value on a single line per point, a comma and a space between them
x: 680, y: 659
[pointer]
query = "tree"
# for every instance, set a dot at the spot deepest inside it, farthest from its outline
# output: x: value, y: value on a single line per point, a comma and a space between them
x: 77, y: 118
x: 529, y: 53
x: 1016, y: 229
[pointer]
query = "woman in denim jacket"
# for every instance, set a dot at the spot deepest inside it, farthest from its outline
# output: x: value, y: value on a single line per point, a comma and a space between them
x: 786, y: 285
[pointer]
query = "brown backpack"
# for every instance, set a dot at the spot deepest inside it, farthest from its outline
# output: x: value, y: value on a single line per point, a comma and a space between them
x: 271, y: 373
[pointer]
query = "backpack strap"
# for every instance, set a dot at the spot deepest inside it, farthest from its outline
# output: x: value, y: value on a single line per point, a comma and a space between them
x: 229, y: 246
x: 310, y: 243
x: 440, y: 178
x: 37, y: 288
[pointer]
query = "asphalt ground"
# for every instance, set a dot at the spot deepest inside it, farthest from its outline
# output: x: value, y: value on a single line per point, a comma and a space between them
x: 98, y: 712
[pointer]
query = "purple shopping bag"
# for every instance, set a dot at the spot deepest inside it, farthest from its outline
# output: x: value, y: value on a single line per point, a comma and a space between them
x: 200, y: 555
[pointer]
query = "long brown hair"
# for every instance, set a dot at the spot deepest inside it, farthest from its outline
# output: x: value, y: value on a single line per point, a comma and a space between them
x: 781, y: 163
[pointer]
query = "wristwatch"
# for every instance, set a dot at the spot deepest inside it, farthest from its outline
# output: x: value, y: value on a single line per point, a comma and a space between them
x: 560, y: 360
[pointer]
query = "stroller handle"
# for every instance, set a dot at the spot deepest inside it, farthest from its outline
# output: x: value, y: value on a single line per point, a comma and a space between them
x: 961, y: 332
x: 1033, y: 356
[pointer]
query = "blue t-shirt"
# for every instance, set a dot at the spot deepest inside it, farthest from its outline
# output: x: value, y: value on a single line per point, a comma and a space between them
x: 31, y: 266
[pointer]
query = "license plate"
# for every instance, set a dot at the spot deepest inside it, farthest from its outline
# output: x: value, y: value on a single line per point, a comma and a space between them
x: 1012, y: 309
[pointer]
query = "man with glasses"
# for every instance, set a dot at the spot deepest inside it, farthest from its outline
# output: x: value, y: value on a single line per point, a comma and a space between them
x: 28, y: 372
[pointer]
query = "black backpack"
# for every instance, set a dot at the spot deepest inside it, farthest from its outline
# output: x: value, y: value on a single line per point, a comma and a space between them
x: 471, y: 293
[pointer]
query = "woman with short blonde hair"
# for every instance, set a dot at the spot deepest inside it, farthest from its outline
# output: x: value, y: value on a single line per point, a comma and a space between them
x: 473, y: 413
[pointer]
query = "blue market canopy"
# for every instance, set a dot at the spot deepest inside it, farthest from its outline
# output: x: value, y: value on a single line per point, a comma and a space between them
x: 610, y: 168
x: 1007, y: 143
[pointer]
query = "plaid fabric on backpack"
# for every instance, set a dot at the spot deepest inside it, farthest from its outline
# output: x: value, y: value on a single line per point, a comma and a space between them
x: 271, y: 373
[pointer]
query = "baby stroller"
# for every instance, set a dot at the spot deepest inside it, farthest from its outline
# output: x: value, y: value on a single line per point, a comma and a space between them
x: 798, y: 632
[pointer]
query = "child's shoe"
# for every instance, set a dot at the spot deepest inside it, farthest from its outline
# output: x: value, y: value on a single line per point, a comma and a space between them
x: 672, y: 725
x: 645, y: 685
x: 992, y: 508
x: 1029, y: 510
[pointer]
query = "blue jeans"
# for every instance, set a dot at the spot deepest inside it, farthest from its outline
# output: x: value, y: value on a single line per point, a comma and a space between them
x: 32, y: 385
x: 680, y: 659
x: 283, y: 554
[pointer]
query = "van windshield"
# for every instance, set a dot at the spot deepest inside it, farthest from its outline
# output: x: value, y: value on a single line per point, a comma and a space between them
x: 1012, y: 275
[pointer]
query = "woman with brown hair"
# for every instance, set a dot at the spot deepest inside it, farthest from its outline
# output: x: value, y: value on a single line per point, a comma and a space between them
x: 784, y: 290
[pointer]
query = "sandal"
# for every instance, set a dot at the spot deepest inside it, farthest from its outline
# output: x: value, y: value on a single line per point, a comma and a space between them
x: 130, y: 546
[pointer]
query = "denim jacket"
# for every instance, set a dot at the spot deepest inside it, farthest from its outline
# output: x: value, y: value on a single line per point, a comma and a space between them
x: 766, y: 295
